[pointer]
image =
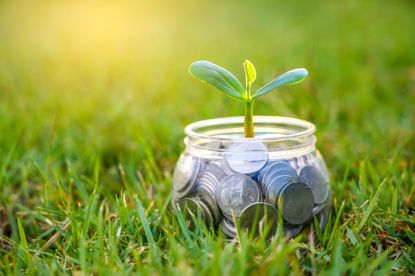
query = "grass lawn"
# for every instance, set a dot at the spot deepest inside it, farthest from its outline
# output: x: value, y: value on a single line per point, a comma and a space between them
x: 94, y: 97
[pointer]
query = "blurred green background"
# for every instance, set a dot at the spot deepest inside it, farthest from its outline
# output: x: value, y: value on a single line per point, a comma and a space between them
x: 106, y: 75
x: 88, y: 80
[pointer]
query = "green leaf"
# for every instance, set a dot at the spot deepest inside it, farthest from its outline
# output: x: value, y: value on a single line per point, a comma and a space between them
x: 144, y: 222
x: 217, y: 76
x: 22, y: 235
x: 250, y: 73
x: 351, y: 236
x: 288, y: 78
x: 371, y: 206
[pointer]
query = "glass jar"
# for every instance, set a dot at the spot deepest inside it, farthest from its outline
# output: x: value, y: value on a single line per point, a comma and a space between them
x: 278, y: 177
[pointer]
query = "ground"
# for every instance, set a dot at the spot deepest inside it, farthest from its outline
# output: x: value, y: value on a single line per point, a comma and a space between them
x: 94, y: 98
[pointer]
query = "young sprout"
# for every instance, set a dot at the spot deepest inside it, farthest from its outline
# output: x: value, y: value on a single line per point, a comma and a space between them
x: 222, y: 79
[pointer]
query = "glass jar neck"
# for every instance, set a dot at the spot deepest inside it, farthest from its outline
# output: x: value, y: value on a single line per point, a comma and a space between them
x: 283, y: 137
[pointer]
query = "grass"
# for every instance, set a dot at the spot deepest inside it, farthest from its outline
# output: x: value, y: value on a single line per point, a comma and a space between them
x: 94, y: 98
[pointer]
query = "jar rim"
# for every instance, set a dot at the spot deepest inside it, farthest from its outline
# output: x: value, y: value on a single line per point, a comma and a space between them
x: 306, y: 128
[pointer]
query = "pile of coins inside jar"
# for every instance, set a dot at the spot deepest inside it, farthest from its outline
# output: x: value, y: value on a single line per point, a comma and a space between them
x: 249, y: 188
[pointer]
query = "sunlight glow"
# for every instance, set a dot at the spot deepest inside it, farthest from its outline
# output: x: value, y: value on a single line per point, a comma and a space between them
x: 85, y: 27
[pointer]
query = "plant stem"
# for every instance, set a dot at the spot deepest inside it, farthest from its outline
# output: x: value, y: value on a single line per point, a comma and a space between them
x: 249, y: 122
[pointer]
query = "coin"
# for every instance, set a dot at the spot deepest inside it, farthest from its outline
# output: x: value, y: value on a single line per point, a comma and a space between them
x: 322, y: 212
x: 223, y: 165
x: 216, y: 171
x: 246, y: 157
x: 227, y: 228
x: 279, y: 165
x: 318, y: 208
x: 295, y: 202
x: 259, y: 218
x: 317, y: 182
x: 189, y: 207
x: 235, y: 192
x: 185, y: 175
x: 206, y: 214
x: 315, y: 159
x: 292, y: 230
x: 205, y: 190
x: 301, y: 161
x: 275, y: 187
x: 261, y: 174
x: 275, y: 174
x: 323, y: 217
x: 209, y: 180
x: 203, y: 180
x: 265, y: 169
x: 294, y: 163
x: 207, y: 197
x: 276, y: 169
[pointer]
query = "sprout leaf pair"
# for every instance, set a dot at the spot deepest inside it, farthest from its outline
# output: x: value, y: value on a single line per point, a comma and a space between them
x: 225, y: 81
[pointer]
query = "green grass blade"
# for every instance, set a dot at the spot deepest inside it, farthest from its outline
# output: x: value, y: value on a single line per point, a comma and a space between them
x: 371, y: 206
x: 144, y: 222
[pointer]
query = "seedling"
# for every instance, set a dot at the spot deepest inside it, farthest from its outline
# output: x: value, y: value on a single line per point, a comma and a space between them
x: 226, y: 82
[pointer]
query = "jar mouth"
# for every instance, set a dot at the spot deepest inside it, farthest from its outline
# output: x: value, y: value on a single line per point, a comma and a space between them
x: 267, y: 129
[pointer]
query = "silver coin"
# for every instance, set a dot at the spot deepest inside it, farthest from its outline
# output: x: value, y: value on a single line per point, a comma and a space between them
x: 265, y: 169
x: 228, y: 229
x: 316, y: 160
x: 206, y: 214
x: 204, y: 180
x: 277, y: 166
x: 295, y: 163
x: 209, y: 189
x: 322, y: 212
x: 227, y: 216
x: 282, y: 179
x: 261, y: 174
x: 317, y: 182
x: 205, y: 184
x: 211, y: 178
x: 208, y: 180
x: 207, y: 197
x: 260, y: 219
x: 308, y: 159
x: 235, y: 192
x: 273, y: 173
x: 275, y: 187
x: 291, y: 231
x: 318, y: 208
x: 323, y: 216
x: 301, y: 161
x: 246, y: 157
x: 276, y: 174
x: 295, y: 202
x: 185, y: 174
x: 215, y: 170
x: 176, y: 197
x: 223, y: 165
x: 189, y: 207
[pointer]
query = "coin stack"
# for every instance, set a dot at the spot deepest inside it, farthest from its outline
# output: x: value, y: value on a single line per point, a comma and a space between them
x: 248, y: 188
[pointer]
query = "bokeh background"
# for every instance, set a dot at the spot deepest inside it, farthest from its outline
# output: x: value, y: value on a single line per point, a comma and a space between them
x: 82, y: 81
x: 106, y: 75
